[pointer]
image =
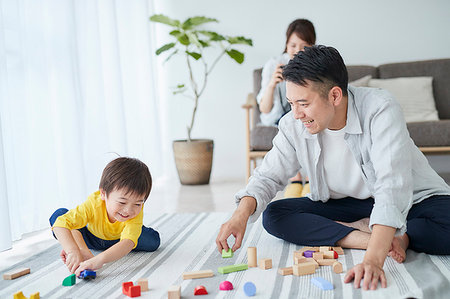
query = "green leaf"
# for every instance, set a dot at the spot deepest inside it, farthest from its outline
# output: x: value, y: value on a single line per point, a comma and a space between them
x: 170, y: 56
x: 195, y: 21
x: 175, y: 33
x: 239, y: 40
x: 196, y: 56
x: 212, y: 35
x: 180, y: 85
x: 179, y: 89
x: 236, y: 55
x: 204, y: 43
x: 165, y: 48
x: 193, y: 39
x: 165, y: 20
x: 184, y: 40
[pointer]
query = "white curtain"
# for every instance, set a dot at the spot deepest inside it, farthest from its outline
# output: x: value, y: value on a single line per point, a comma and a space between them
x: 77, y: 88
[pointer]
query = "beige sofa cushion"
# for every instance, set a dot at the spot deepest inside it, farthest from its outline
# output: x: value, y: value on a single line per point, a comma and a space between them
x: 415, y: 95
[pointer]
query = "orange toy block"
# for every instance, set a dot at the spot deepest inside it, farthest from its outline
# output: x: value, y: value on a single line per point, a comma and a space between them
x: 251, y: 257
x: 13, y: 274
x: 339, y: 250
x: 265, y: 264
x: 285, y: 271
x: 326, y: 262
x: 174, y: 292
x: 131, y: 290
x: 318, y: 256
x: 143, y: 282
x: 304, y: 269
x: 337, y: 267
x: 330, y: 254
x: 324, y: 248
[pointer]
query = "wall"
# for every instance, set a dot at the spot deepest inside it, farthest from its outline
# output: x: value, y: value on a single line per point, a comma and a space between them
x: 365, y: 32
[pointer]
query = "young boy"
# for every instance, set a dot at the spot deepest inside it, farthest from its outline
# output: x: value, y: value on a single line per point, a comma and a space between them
x: 110, y: 219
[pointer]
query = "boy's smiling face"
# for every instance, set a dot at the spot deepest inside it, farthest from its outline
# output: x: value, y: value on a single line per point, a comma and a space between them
x: 121, y: 206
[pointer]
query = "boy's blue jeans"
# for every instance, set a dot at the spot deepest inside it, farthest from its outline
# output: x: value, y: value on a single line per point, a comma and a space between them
x: 148, y: 240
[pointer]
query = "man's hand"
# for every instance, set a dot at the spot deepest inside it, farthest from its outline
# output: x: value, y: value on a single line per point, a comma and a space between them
x: 236, y: 225
x: 371, y: 273
x: 91, y: 264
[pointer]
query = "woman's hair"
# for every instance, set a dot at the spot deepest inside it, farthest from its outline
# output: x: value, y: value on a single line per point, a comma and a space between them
x: 304, y: 29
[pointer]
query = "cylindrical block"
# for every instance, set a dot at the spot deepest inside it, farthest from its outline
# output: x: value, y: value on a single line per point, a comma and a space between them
x: 251, y: 257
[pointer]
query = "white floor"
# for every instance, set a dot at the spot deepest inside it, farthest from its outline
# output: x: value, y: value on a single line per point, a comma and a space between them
x: 166, y: 197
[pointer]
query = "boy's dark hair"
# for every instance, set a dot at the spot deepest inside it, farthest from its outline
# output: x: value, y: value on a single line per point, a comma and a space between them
x: 304, y: 29
x: 129, y: 174
x: 320, y: 64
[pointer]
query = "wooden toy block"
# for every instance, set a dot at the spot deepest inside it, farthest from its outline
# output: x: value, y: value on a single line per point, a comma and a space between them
x: 285, y: 271
x: 35, y: 296
x: 174, y: 292
x: 226, y: 286
x: 318, y: 256
x: 339, y: 250
x: 200, y: 290
x: 298, y: 254
x: 265, y: 264
x: 304, y: 269
x: 322, y: 283
x: 330, y: 254
x: 326, y: 262
x: 252, y: 257
x: 249, y: 289
x: 13, y: 274
x: 337, y: 267
x: 69, y: 280
x: 324, y: 248
x: 232, y: 268
x: 311, y: 260
x: 19, y: 295
x: 227, y: 254
x: 198, y: 274
x: 299, y: 260
x: 131, y: 290
x: 143, y: 282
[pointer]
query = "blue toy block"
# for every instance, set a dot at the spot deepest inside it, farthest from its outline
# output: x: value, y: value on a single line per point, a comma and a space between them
x: 322, y: 283
x: 87, y: 274
x: 249, y: 289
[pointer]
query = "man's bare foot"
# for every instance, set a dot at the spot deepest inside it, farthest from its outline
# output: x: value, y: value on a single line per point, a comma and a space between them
x: 361, y: 224
x: 398, y: 248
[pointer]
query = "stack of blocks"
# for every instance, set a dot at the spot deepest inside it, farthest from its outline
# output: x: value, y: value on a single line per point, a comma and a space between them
x: 308, y: 259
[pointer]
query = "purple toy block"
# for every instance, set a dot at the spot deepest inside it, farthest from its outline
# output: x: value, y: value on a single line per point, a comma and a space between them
x: 308, y: 253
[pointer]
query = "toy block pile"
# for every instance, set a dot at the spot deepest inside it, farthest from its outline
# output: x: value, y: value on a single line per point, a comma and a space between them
x: 308, y: 259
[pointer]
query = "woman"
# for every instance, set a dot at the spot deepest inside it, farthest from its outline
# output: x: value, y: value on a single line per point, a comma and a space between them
x: 272, y: 96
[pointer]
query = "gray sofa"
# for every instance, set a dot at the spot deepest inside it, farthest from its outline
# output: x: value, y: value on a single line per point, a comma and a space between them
x: 430, y: 136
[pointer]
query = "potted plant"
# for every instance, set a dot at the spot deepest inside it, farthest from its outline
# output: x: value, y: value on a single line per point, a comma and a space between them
x: 193, y: 157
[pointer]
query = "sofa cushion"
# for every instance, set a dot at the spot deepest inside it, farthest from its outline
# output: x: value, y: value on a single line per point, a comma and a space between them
x: 261, y: 138
x: 361, y: 82
x: 356, y: 72
x: 415, y: 95
x: 436, y: 68
x: 430, y: 133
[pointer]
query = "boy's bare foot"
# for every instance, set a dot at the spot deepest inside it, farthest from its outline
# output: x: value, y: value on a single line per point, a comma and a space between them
x: 398, y: 248
x: 361, y: 224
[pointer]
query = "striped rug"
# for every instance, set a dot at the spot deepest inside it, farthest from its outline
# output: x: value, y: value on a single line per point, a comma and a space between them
x: 188, y: 244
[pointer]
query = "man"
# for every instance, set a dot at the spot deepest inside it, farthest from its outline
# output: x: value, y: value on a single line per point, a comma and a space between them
x: 371, y: 187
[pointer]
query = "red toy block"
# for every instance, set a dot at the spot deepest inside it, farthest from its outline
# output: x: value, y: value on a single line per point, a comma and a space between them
x: 200, y: 290
x: 131, y: 290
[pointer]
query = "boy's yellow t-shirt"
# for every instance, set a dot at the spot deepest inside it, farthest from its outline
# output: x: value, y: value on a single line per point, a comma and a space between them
x: 93, y: 214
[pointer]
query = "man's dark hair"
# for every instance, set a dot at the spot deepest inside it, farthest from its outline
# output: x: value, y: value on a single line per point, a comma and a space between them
x: 319, y: 64
x: 128, y: 174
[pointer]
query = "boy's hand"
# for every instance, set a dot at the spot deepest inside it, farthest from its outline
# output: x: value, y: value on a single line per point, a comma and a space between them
x: 86, y: 254
x: 91, y: 264
x: 371, y: 273
x: 73, y: 260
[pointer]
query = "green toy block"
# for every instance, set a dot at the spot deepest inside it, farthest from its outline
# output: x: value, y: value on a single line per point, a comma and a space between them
x: 227, y: 254
x: 232, y: 268
x: 69, y: 280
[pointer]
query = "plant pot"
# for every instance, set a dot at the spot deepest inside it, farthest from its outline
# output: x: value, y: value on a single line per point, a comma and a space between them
x: 193, y: 160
